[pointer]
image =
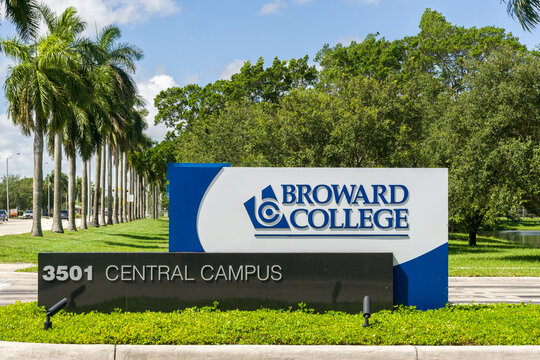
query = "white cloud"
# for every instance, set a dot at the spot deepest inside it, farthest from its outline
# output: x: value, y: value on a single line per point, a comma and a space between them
x: 12, y: 141
x: 103, y: 12
x: 192, y: 79
x: 231, y: 69
x: 272, y: 7
x: 348, y: 39
x: 365, y: 1
x: 302, y: 2
x: 148, y: 90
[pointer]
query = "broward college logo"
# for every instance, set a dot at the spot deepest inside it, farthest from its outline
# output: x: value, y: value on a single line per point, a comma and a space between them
x: 331, y: 211
x: 268, y: 215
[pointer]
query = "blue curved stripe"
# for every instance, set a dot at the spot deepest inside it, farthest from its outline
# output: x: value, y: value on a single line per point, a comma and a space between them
x: 423, y: 281
x: 187, y: 185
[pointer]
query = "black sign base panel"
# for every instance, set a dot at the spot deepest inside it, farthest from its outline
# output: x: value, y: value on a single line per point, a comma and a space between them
x: 246, y: 281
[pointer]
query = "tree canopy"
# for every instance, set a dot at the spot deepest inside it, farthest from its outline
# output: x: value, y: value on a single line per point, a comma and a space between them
x: 450, y: 96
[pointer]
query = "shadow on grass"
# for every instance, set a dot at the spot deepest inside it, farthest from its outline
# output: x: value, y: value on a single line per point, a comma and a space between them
x: 526, y: 258
x: 112, y: 243
x: 466, y: 249
x: 459, y: 244
x: 157, y: 237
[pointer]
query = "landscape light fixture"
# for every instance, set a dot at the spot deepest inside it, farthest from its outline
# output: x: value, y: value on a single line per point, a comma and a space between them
x: 367, y: 310
x: 53, y: 310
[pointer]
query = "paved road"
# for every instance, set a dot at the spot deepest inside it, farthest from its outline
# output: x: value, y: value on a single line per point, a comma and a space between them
x: 462, y: 290
x: 23, y: 286
x: 17, y: 285
x: 21, y: 226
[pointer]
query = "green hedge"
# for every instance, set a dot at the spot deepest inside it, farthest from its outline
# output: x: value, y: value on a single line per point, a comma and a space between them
x: 454, y: 325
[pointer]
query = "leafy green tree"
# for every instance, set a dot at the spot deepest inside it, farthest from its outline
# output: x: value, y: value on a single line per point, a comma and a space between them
x: 373, y: 57
x: 20, y: 192
x: 440, y: 49
x: 489, y: 138
x: 180, y: 108
x: 443, y: 49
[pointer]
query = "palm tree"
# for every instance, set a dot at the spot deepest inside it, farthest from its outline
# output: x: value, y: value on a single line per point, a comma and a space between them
x: 69, y: 118
x: 24, y: 15
x: 527, y: 12
x: 119, y: 61
x: 37, y: 89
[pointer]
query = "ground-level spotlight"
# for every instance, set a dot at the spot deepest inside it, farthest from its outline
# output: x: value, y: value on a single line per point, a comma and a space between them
x: 53, y: 310
x: 367, y: 310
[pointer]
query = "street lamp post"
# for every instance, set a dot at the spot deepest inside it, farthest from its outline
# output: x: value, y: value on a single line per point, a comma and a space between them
x: 7, y: 182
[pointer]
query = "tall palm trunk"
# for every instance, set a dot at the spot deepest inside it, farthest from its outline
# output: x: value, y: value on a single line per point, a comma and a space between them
x: 109, y: 187
x: 89, y: 185
x: 145, y: 198
x: 121, y: 200
x: 155, y: 203
x: 124, y: 189
x: 102, y: 185
x: 138, y: 196
x: 130, y: 203
x: 37, y: 182
x: 115, y: 202
x: 142, y: 197
x: 84, y: 194
x: 135, y: 195
x: 95, y: 216
x: 159, y: 203
x: 71, y: 193
x: 57, y: 217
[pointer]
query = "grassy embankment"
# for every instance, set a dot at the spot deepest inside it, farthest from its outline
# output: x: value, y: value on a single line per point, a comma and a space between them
x: 491, y: 257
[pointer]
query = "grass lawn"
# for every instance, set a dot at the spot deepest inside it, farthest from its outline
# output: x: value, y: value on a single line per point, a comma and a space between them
x: 491, y: 257
x: 523, y: 224
x: 140, y: 235
x: 501, y: 324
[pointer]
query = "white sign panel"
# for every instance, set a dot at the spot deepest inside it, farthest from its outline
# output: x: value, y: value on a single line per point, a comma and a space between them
x: 216, y: 208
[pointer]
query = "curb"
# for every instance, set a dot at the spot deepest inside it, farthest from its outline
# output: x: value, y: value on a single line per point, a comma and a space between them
x: 18, y: 351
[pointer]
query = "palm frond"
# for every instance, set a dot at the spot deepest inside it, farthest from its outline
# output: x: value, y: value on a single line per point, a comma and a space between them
x: 24, y: 15
x: 527, y: 12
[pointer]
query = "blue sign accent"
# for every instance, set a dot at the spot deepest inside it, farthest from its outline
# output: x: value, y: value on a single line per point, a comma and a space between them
x: 188, y: 184
x: 269, y: 212
x: 423, y: 281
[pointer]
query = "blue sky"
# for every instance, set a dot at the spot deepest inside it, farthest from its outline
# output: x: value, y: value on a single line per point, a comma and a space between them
x: 201, y: 41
